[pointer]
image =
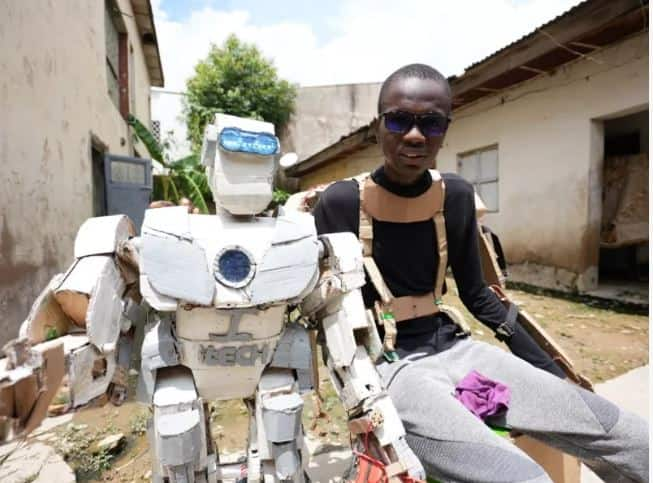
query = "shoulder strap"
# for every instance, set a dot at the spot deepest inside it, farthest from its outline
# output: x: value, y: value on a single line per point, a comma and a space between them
x: 441, y: 236
x: 365, y: 235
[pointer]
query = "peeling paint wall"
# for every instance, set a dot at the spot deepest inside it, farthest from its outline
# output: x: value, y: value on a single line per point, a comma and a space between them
x: 53, y: 96
x: 549, y: 133
x: 324, y: 114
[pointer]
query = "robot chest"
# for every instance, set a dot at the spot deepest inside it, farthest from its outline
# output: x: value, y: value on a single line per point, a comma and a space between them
x: 228, y: 264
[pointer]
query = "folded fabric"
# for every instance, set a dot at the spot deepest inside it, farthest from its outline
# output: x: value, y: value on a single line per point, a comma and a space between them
x: 482, y: 396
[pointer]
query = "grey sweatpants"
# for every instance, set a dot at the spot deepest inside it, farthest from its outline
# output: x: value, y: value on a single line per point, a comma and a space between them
x: 454, y: 445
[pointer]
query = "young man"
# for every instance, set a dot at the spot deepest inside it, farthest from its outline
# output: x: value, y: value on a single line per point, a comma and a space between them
x: 453, y: 444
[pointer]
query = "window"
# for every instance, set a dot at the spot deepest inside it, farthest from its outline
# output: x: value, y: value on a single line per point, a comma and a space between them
x: 481, y: 168
x: 156, y: 130
x: 115, y: 33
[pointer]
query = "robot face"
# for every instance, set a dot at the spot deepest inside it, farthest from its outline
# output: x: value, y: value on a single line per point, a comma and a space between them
x: 239, y: 156
x: 236, y: 140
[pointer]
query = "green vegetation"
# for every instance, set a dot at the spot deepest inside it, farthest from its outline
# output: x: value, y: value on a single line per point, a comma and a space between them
x: 186, y: 177
x: 236, y: 79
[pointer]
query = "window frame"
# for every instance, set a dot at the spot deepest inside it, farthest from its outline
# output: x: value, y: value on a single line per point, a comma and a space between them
x: 479, y: 180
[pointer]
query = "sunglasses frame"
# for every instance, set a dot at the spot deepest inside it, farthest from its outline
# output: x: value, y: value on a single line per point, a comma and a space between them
x: 416, y: 120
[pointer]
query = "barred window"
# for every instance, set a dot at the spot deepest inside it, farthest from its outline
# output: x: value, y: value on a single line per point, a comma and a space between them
x: 156, y: 130
x: 481, y: 168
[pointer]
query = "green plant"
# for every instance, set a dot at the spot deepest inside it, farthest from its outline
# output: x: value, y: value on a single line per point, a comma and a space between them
x: 236, y: 79
x: 185, y: 177
x: 138, y: 423
x: 279, y: 197
x: 75, y: 443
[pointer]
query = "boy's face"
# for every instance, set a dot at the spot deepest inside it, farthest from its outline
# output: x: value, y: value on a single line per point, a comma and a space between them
x: 409, y: 154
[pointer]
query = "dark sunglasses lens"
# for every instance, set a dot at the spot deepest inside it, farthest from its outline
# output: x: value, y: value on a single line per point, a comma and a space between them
x: 399, y: 122
x: 432, y: 125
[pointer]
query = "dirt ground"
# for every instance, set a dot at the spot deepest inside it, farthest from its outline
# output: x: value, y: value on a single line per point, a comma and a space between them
x: 603, y: 339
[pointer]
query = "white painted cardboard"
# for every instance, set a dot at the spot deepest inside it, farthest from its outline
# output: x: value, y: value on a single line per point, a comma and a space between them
x: 293, y: 226
x: 156, y: 300
x: 173, y: 220
x: 45, y: 314
x: 392, y: 427
x: 101, y: 235
x: 175, y: 388
x: 227, y: 381
x: 241, y: 183
x: 346, y: 251
x: 285, y: 271
x: 197, y: 323
x: 339, y: 338
x: 364, y: 379
x: 354, y: 308
x: 177, y: 268
x: 93, y: 288
x: 83, y: 387
x: 105, y: 309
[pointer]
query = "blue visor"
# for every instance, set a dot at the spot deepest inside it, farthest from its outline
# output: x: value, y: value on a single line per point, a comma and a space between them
x: 239, y: 141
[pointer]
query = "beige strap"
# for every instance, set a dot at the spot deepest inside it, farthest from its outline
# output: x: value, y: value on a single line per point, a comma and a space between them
x: 377, y: 280
x: 491, y: 271
x: 412, y: 306
x: 389, y: 326
x: 365, y: 232
x: 441, y: 235
x: 382, y: 205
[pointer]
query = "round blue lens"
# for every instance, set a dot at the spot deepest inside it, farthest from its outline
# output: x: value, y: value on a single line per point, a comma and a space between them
x: 234, y: 265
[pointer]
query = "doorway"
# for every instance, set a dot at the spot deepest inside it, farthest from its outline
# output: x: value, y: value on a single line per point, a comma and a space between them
x: 623, y: 255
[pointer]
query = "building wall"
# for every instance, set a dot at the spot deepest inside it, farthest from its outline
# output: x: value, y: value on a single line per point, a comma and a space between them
x: 324, y: 114
x: 167, y: 108
x: 351, y: 165
x: 53, y: 99
x: 550, y: 137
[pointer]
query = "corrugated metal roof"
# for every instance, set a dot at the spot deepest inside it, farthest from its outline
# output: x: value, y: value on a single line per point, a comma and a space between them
x: 567, y: 13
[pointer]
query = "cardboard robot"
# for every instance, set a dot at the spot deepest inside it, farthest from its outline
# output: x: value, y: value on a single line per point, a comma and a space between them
x: 216, y: 293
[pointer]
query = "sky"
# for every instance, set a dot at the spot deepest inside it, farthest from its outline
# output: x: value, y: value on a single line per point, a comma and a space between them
x: 320, y: 42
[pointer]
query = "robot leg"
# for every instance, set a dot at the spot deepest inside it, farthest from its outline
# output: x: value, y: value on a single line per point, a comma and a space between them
x: 279, y: 434
x: 182, y: 449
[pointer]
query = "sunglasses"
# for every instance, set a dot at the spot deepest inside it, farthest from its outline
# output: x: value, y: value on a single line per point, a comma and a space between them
x: 430, y: 124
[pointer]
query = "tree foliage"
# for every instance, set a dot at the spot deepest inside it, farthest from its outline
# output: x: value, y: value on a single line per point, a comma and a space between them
x: 236, y: 79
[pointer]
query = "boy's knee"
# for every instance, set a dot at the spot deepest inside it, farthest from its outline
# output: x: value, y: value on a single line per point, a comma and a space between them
x: 467, y: 461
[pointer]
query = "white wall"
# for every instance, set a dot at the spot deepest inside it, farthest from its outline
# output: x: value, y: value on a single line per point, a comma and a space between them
x: 167, y: 108
x: 549, y: 133
x: 324, y: 114
x: 53, y: 99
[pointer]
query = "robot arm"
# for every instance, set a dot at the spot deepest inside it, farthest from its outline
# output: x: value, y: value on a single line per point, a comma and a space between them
x: 78, y: 328
x: 352, y: 343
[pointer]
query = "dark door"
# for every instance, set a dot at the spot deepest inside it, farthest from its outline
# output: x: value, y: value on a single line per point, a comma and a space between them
x: 129, y: 184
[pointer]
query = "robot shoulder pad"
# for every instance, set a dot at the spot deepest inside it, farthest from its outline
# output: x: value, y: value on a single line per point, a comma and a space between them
x: 101, y: 235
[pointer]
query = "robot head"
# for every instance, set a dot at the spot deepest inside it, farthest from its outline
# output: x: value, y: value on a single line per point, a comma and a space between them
x: 239, y: 157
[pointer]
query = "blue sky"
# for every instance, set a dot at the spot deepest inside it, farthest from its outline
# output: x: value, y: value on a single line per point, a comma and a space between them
x: 346, y: 41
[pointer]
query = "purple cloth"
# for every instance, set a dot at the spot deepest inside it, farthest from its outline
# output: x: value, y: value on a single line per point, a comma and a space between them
x: 482, y: 396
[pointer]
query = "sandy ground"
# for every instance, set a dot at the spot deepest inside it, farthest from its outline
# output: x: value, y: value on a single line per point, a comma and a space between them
x: 603, y: 339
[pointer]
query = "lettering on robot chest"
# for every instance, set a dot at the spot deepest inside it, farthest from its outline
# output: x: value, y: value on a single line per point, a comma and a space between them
x: 224, y: 354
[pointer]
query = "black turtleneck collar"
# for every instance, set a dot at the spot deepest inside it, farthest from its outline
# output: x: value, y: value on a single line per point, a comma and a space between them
x: 408, y: 191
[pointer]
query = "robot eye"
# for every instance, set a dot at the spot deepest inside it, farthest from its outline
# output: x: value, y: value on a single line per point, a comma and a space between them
x: 233, y: 267
x: 236, y: 140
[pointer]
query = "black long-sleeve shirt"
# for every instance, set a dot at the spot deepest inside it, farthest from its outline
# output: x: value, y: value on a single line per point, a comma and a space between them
x: 407, y: 258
